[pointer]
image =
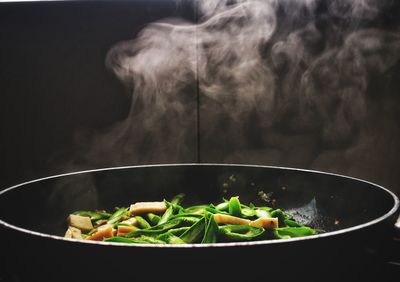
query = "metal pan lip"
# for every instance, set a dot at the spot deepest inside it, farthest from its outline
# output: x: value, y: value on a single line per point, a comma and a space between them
x: 390, y: 213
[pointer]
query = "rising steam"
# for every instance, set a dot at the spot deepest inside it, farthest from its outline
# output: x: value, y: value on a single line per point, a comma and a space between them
x: 279, y: 82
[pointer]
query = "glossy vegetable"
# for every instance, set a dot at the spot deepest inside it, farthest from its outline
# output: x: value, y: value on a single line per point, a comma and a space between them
x: 171, y: 223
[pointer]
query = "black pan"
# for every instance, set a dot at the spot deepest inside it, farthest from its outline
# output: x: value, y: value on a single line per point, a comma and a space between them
x: 357, y: 218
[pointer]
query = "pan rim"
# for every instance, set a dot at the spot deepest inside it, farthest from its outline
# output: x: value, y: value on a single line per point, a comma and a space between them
x: 388, y: 214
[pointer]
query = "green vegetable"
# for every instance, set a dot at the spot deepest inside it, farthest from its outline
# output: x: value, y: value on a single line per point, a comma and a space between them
x: 94, y: 215
x: 167, y: 214
x: 211, y: 231
x: 142, y: 222
x: 196, y: 224
x: 262, y: 213
x: 153, y: 218
x: 178, y: 199
x: 170, y: 238
x: 292, y: 232
x: 118, y: 215
x: 241, y: 232
x: 195, y: 232
x: 234, y: 206
x: 248, y: 212
x: 158, y: 229
x: 202, y: 209
x: 279, y: 214
x: 187, y: 217
x: 291, y: 223
x: 179, y: 231
x: 222, y: 206
x: 124, y: 240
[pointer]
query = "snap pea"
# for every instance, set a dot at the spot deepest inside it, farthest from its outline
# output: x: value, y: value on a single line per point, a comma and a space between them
x: 124, y: 240
x: 187, y: 217
x: 158, y: 229
x: 292, y: 232
x: 222, y: 206
x: 179, y: 231
x: 195, y: 232
x: 262, y: 213
x: 279, y: 214
x: 211, y: 230
x: 94, y: 216
x: 155, y: 230
x: 153, y: 218
x: 178, y: 199
x: 118, y: 215
x: 291, y: 223
x: 142, y: 222
x: 248, y: 212
x: 170, y: 238
x: 197, y: 224
x: 167, y: 214
x: 241, y: 232
x: 139, y: 240
x: 199, y: 209
x: 234, y: 206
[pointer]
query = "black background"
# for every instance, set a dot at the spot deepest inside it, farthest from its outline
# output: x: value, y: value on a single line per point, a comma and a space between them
x: 53, y: 82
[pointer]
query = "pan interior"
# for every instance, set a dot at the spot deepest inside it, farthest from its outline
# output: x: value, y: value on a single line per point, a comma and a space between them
x: 324, y: 201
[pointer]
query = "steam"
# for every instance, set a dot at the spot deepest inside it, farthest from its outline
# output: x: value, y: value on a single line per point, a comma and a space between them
x: 220, y: 52
x: 279, y: 82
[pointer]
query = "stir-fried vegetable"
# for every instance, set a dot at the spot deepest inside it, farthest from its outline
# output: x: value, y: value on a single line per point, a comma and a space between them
x: 170, y: 223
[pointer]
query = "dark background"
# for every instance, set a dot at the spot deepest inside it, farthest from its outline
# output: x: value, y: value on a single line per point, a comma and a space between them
x: 54, y: 80
x: 54, y: 83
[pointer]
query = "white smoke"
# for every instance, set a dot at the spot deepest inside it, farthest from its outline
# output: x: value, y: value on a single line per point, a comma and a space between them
x: 278, y: 82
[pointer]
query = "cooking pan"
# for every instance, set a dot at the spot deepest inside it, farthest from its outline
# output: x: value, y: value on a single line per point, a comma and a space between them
x: 355, y: 218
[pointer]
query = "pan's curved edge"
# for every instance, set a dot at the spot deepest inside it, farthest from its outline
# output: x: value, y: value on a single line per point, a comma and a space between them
x: 391, y: 212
